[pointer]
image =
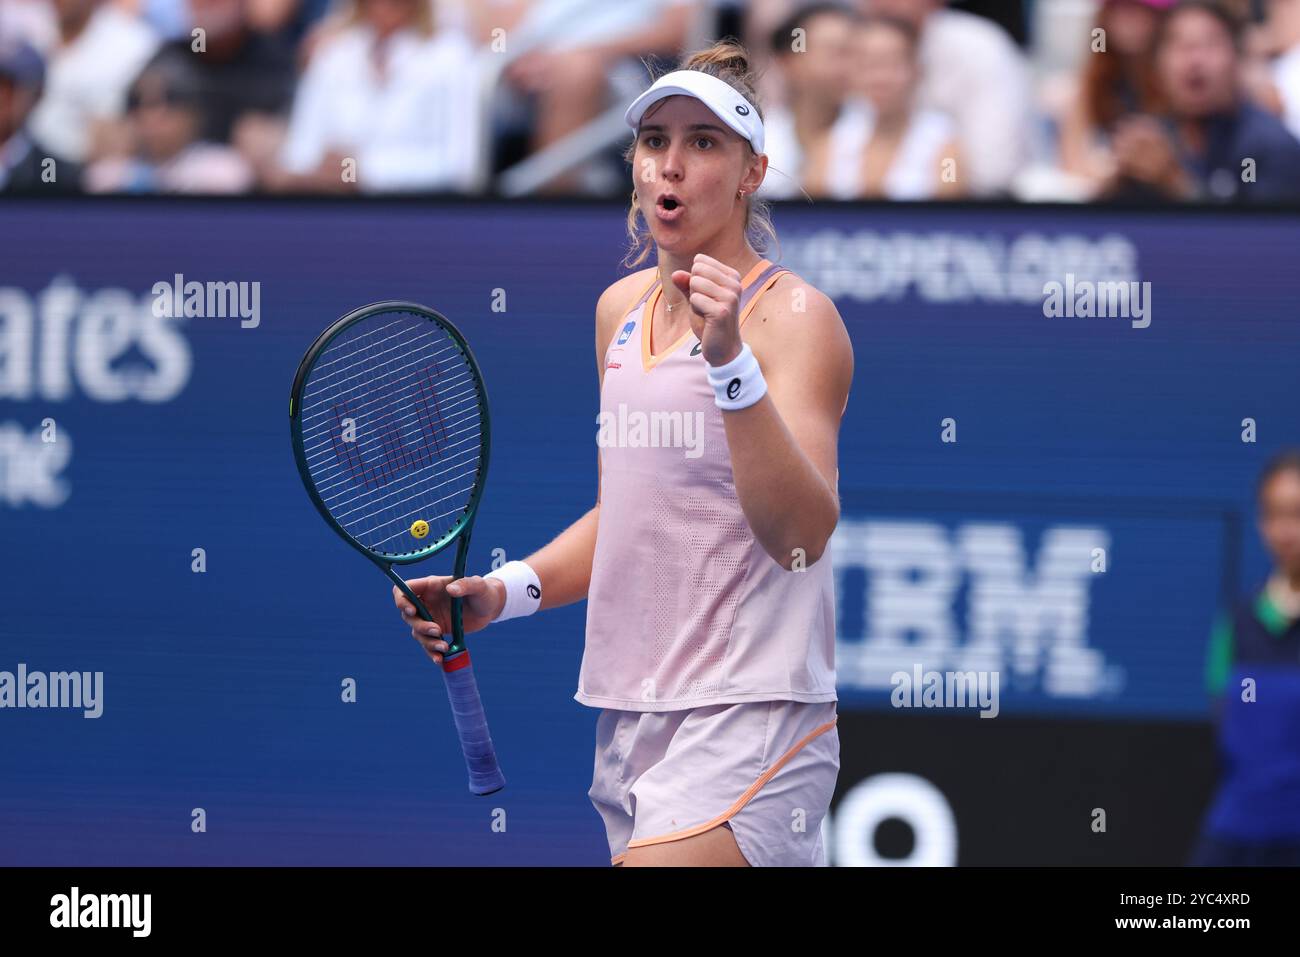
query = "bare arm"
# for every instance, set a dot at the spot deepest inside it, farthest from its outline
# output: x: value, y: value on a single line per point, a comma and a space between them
x: 564, y: 566
x: 504, y: 14
x: 784, y: 447
x: 1081, y: 155
x: 666, y: 36
x: 1075, y: 139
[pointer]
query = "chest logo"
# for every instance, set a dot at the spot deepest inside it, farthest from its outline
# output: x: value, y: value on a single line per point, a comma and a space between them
x: 626, y: 333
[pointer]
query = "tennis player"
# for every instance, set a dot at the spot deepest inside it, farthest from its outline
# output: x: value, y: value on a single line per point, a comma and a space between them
x: 711, y: 605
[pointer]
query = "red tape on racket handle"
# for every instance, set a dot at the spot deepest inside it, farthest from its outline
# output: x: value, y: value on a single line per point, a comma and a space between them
x: 471, y: 724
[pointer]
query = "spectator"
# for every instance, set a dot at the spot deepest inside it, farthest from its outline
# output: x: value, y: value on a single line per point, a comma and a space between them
x: 815, y: 69
x: 1117, y: 81
x: 99, y: 52
x: 1213, y: 145
x: 240, y: 72
x: 972, y: 71
x: 1255, y: 816
x: 394, y: 95
x: 169, y: 155
x: 574, y: 53
x: 24, y: 164
x: 883, y: 145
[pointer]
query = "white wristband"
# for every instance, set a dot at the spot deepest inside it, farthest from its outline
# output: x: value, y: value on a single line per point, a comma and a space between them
x: 739, y: 383
x: 523, y: 590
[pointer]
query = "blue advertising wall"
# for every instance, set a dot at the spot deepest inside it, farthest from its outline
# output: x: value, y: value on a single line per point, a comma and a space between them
x: 222, y: 688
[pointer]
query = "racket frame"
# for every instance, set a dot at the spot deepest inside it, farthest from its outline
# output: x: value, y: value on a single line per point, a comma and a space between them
x: 462, y: 528
x: 462, y: 690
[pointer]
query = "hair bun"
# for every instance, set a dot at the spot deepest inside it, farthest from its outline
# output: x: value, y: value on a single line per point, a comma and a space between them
x: 724, y: 56
x: 728, y: 61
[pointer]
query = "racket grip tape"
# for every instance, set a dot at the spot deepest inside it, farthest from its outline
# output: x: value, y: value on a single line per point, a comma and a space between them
x: 471, y: 724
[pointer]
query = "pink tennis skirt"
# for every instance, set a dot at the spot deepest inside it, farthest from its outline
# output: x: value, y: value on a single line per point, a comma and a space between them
x: 766, y: 769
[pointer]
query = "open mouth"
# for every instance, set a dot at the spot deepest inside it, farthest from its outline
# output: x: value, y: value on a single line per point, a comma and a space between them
x: 670, y: 209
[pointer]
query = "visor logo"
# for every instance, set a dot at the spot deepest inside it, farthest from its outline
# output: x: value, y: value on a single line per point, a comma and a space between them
x: 742, y: 109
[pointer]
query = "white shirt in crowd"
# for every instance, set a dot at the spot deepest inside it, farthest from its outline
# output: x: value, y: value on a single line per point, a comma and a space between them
x: 914, y: 172
x: 415, y: 129
x: 87, y: 80
x: 972, y: 71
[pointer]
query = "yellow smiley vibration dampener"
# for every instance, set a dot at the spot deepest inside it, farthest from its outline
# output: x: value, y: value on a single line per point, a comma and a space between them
x: 420, y: 528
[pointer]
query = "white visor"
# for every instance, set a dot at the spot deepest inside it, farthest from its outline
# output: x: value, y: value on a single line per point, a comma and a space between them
x: 726, y: 104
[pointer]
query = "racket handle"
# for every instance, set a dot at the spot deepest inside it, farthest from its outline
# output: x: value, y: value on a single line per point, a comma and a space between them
x: 471, y: 724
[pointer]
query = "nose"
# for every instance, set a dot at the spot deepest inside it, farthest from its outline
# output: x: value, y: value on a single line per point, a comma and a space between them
x: 672, y: 163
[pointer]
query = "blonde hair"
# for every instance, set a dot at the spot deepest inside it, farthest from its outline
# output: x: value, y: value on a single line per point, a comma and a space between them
x: 729, y: 62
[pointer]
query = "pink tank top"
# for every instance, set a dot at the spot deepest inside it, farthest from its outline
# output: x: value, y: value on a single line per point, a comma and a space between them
x: 685, y: 608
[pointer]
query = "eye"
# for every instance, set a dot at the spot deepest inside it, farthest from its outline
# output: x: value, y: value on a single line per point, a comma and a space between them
x: 705, y: 140
x: 651, y: 139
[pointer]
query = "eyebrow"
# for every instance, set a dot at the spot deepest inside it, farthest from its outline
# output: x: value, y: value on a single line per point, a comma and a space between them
x: 657, y: 128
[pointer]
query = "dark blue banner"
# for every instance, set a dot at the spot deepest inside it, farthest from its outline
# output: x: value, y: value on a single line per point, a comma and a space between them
x: 1051, y: 483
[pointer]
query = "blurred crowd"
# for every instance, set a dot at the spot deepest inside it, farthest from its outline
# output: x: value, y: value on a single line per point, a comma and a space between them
x: 1116, y: 100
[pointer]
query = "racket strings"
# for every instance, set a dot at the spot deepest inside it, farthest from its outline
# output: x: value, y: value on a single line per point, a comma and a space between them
x: 343, y: 385
x: 333, y: 477
x: 368, y: 504
x: 320, y: 367
x: 391, y: 425
x: 461, y: 404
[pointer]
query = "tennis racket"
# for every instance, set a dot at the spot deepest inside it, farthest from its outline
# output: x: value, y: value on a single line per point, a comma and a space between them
x: 389, y: 419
